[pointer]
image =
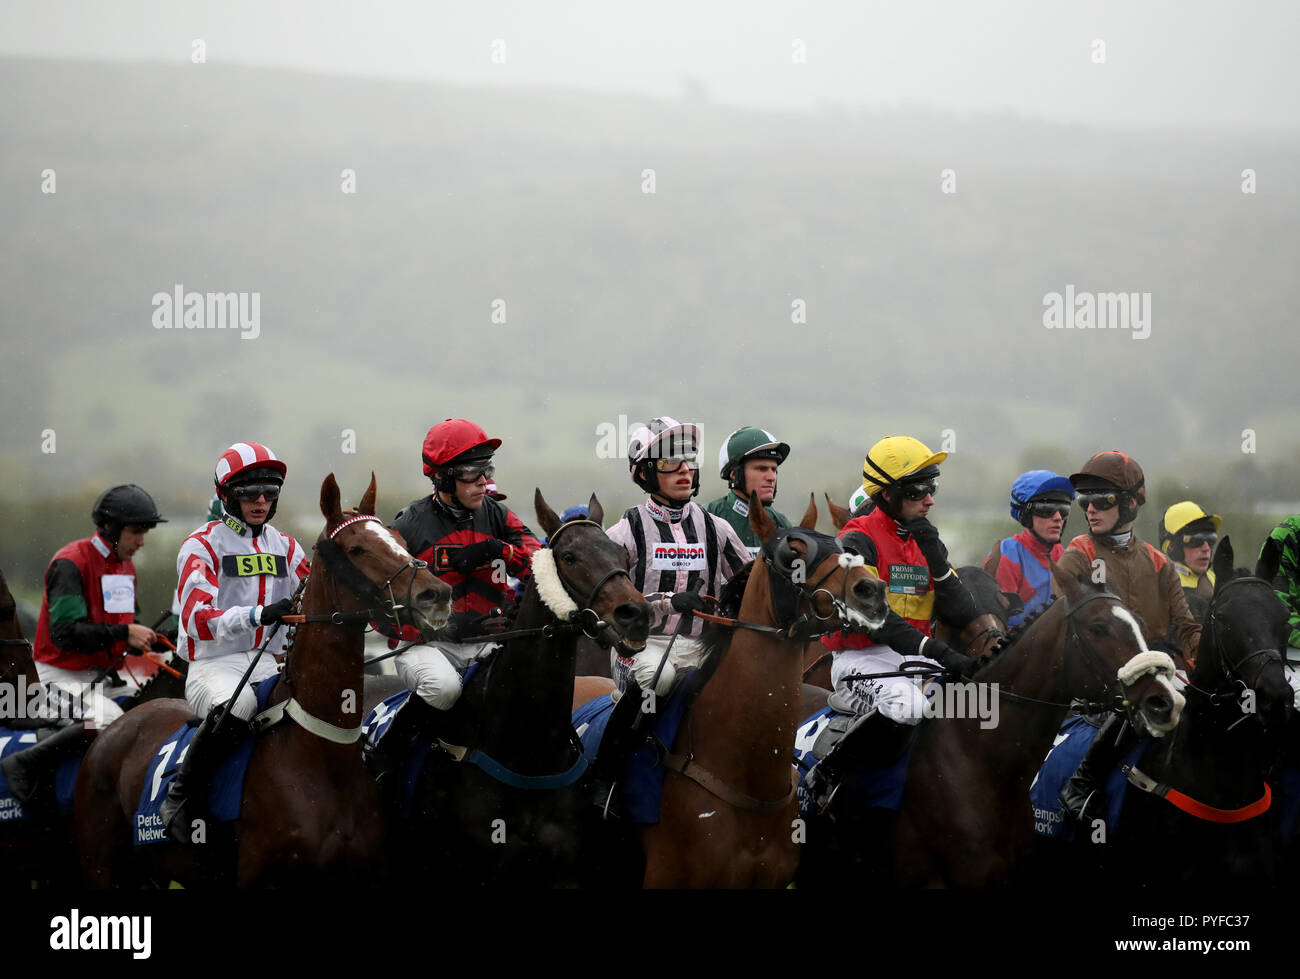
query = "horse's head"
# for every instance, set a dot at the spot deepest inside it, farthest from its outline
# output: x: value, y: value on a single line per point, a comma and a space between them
x: 15, y: 650
x: 372, y: 570
x: 978, y: 637
x: 1110, y: 652
x: 583, y: 572
x: 815, y: 584
x: 1243, y: 642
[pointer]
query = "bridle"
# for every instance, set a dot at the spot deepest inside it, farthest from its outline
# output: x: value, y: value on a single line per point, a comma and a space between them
x: 789, y: 589
x: 1231, y: 671
x: 585, y: 616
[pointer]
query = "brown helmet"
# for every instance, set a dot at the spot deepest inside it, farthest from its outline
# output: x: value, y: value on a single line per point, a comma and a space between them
x: 1120, y: 470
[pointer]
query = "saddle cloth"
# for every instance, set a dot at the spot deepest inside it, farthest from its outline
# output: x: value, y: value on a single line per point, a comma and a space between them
x: 1071, y: 744
x: 878, y: 787
x: 643, y: 781
x: 225, y: 793
x: 14, y: 740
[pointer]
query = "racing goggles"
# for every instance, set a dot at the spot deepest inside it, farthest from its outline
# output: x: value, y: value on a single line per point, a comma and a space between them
x: 1098, y: 501
x: 1047, y: 509
x: 1196, y: 540
x: 471, y: 472
x: 672, y: 464
x: 248, y: 492
x: 919, y: 490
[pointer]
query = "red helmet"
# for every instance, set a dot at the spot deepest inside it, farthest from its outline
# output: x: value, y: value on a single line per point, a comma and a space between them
x: 453, y: 439
x: 244, y: 459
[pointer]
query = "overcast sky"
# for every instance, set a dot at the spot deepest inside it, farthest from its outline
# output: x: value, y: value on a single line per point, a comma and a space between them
x: 1204, y: 63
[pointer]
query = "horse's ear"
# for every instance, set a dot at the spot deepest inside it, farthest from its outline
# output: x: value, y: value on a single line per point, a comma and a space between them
x: 546, y: 517
x: 595, y: 512
x: 367, y: 504
x: 1270, y: 558
x: 1071, y: 587
x: 809, y: 521
x: 1222, y: 563
x: 839, y: 514
x: 1013, y: 603
x: 760, y: 521
x: 330, y: 506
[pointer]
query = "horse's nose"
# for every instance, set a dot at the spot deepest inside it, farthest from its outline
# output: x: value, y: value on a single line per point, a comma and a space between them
x: 1158, y: 707
x: 869, y: 590
x: 432, y: 596
x: 633, y: 620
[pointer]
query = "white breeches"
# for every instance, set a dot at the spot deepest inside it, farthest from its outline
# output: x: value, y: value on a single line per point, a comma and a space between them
x: 212, y: 681
x: 433, y: 671
x: 69, y: 694
x: 685, y: 655
x: 898, y: 698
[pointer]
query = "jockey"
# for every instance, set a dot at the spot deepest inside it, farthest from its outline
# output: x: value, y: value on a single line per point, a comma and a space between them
x: 1285, y: 540
x: 676, y: 550
x: 900, y: 545
x: 1040, y: 501
x: 748, y: 460
x: 237, y: 577
x: 1188, y: 535
x: 1111, y: 487
x: 474, y: 543
x: 87, y: 625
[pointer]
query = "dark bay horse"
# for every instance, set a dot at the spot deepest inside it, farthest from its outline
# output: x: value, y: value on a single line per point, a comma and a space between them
x: 500, y: 805
x: 310, y: 810
x: 728, y: 815
x: 33, y: 849
x: 1211, y: 821
x: 965, y: 817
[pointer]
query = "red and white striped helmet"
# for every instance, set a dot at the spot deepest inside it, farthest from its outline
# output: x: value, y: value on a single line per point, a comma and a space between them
x: 244, y: 458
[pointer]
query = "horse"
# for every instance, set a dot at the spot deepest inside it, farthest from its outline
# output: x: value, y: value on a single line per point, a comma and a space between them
x: 310, y: 811
x: 728, y: 814
x: 965, y: 819
x: 1198, y: 807
x: 34, y: 849
x: 498, y: 803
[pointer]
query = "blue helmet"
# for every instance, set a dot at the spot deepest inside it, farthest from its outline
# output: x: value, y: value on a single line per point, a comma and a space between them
x: 1038, y: 484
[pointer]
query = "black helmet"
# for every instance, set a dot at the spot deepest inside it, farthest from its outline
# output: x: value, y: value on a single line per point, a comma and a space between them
x: 122, y: 505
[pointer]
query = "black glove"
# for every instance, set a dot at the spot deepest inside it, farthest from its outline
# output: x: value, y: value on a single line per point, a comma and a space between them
x: 465, y: 559
x: 689, y: 601
x: 926, y: 536
x: 956, y: 665
x: 272, y: 614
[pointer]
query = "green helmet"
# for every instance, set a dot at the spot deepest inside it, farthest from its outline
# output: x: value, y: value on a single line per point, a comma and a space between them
x: 748, y: 443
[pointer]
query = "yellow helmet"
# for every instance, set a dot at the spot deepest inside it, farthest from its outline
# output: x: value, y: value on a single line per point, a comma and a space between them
x: 893, y: 459
x: 1180, y: 516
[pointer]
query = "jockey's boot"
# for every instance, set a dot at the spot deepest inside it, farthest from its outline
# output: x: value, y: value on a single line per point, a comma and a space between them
x: 606, y: 771
x: 872, y: 741
x: 187, y: 796
x: 30, y: 772
x: 416, y: 718
x: 1084, y: 793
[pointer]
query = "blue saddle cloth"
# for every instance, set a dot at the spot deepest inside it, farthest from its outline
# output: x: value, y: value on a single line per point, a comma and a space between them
x: 14, y: 740
x: 1287, y: 789
x: 373, y: 729
x: 643, y: 781
x: 879, y: 787
x: 225, y: 792
x: 1071, y: 744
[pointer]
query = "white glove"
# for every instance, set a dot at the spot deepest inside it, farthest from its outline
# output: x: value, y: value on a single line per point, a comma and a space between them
x: 644, y: 665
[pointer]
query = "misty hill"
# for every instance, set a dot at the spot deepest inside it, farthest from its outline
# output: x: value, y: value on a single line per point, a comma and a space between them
x: 923, y: 309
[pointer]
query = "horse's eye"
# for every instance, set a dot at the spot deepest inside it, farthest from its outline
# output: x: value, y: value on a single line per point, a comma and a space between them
x: 568, y: 557
x: 1097, y: 629
x: 356, y: 550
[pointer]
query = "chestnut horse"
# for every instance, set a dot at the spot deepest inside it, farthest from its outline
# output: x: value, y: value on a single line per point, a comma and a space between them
x: 965, y: 818
x: 310, y: 810
x: 728, y: 812
x: 500, y: 806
